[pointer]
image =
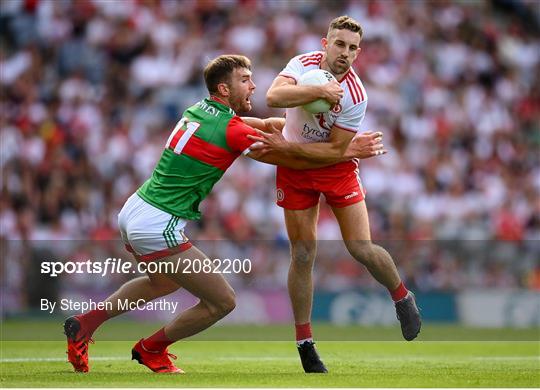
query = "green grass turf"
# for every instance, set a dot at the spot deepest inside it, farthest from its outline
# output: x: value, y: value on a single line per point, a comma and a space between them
x: 275, y: 363
x: 119, y: 329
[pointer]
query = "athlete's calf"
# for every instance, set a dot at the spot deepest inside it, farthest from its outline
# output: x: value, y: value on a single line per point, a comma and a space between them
x: 377, y: 260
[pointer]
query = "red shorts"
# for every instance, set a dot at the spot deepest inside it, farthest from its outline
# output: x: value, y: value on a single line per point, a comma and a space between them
x: 301, y: 189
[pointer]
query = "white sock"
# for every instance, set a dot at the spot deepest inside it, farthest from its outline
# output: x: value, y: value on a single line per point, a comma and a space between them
x: 300, y: 342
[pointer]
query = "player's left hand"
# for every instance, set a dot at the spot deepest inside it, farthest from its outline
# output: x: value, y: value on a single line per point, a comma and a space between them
x: 366, y: 145
x: 272, y: 140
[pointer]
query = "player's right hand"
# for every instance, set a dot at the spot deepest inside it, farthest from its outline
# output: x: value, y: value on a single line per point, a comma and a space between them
x: 366, y: 145
x: 332, y: 92
x: 267, y: 141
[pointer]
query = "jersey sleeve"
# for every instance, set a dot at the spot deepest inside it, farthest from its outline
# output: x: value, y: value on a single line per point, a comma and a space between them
x: 293, y: 70
x: 236, y: 136
x: 351, y: 118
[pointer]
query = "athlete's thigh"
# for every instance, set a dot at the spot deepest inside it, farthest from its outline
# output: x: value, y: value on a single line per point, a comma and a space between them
x: 205, y: 284
x: 302, y: 224
x: 353, y: 221
x: 163, y: 282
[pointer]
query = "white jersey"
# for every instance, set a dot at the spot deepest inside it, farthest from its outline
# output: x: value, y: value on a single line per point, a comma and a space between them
x: 304, y: 127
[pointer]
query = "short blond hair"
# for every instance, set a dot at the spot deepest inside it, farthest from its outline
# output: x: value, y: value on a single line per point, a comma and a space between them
x: 345, y: 22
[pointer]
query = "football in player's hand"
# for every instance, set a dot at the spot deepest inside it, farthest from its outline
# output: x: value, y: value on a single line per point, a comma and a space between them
x: 316, y: 77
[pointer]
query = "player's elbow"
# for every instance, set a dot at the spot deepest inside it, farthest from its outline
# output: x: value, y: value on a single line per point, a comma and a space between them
x: 272, y: 99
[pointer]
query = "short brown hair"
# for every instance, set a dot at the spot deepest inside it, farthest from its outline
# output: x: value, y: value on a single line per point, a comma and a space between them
x: 219, y: 70
x: 345, y: 23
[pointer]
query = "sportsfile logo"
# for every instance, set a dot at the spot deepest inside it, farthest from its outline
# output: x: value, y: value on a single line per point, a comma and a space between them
x: 113, y: 265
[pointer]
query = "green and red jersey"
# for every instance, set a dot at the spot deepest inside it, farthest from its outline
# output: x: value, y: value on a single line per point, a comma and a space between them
x: 203, y: 144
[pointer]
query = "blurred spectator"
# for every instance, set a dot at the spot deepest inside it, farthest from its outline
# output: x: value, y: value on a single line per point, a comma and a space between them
x: 91, y: 88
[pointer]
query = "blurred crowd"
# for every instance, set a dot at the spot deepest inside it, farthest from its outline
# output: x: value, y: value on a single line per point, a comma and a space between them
x: 91, y: 88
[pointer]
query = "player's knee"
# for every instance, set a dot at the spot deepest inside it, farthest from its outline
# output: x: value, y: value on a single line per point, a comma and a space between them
x: 303, y: 253
x: 228, y: 304
x: 224, y: 306
x: 362, y: 251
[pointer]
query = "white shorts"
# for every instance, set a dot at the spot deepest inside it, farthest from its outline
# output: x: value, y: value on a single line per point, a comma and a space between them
x: 150, y: 233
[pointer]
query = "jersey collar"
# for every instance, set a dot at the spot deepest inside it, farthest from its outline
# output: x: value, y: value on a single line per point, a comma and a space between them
x: 345, y: 76
x: 220, y: 104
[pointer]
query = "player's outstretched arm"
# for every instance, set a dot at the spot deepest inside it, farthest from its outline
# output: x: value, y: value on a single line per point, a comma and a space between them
x: 264, y: 124
x: 284, y: 92
x: 343, y: 146
x: 276, y: 157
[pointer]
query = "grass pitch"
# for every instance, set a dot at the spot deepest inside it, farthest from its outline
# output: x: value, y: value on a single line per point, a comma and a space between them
x: 275, y: 363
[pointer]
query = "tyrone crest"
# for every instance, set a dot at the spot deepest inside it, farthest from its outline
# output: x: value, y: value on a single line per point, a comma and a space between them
x: 280, y: 195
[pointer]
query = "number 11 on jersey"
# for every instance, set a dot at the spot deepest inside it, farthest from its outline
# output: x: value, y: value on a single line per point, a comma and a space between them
x: 178, y: 139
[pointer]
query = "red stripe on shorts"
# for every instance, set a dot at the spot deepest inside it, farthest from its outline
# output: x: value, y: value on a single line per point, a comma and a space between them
x: 159, y: 254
